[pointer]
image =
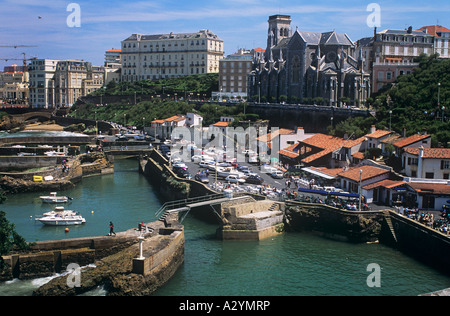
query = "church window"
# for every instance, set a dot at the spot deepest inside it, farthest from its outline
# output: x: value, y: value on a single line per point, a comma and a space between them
x: 296, y: 70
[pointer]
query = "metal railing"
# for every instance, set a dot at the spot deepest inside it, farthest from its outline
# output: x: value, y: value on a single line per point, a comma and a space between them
x: 182, y: 203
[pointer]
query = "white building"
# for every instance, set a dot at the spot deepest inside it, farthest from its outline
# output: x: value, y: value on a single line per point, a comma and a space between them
x: 427, y: 163
x: 441, y: 39
x: 41, y: 72
x: 170, y: 55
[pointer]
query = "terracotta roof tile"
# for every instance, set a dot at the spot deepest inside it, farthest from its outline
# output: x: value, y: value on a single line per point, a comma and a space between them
x: 221, y: 124
x: 388, y: 184
x: 431, y: 153
x: 368, y: 172
x: 430, y: 188
x: 378, y: 134
x: 410, y: 140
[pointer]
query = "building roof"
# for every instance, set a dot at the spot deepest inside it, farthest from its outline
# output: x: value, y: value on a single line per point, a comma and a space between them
x: 430, y: 153
x: 172, y: 36
x: 434, y: 30
x: 410, y: 140
x: 388, y: 184
x: 327, y: 143
x: 368, y: 172
x: 221, y: 124
x: 281, y: 131
x: 378, y: 134
x: 349, y: 143
x: 114, y: 50
x: 430, y: 188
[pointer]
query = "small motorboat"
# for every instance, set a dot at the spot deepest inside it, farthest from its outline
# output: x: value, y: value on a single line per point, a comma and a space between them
x: 61, y: 217
x: 53, y: 198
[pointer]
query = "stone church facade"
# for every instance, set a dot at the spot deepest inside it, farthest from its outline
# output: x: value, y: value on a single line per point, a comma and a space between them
x: 308, y: 67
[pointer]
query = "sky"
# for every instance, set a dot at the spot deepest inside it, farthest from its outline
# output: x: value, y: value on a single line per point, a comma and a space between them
x: 43, y: 24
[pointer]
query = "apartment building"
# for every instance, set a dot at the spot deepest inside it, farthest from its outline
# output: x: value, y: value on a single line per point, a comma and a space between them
x: 441, y: 39
x: 391, y: 53
x: 41, y: 73
x: 233, y: 73
x: 170, y: 55
x: 74, y: 79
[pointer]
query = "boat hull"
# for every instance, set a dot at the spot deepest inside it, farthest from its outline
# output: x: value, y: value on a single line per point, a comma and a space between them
x: 61, y: 222
x: 54, y: 201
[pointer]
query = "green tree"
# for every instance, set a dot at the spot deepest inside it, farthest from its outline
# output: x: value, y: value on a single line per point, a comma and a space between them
x: 9, y: 238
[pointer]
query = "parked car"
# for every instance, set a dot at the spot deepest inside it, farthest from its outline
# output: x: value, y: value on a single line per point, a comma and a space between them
x: 183, y: 173
x: 234, y: 179
x: 277, y: 174
x: 201, y: 177
x: 268, y: 169
x: 254, y: 179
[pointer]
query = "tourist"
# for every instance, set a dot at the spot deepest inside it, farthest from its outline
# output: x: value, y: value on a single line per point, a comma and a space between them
x: 111, y: 229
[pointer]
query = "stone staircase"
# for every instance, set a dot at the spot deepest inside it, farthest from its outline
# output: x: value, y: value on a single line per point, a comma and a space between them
x: 388, y: 220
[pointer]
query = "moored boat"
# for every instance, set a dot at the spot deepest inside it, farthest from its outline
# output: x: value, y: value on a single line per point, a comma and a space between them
x: 61, y: 217
x: 53, y: 198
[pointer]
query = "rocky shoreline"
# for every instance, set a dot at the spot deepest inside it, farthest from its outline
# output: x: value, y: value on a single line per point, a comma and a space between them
x: 82, y: 165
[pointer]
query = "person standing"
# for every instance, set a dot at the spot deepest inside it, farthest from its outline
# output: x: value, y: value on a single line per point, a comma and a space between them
x: 111, y: 229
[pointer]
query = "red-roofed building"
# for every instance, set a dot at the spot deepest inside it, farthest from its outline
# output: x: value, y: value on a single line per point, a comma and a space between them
x: 429, y: 163
x: 414, y: 141
x: 441, y: 39
x: 112, y: 56
x: 431, y: 195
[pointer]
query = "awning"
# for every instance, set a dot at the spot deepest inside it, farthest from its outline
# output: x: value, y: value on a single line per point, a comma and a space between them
x: 319, y: 174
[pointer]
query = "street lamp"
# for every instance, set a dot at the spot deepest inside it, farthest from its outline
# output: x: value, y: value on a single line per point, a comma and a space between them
x: 390, y: 120
x: 360, y: 180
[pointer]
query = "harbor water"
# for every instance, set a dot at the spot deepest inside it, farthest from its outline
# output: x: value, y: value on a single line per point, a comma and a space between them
x: 291, y: 264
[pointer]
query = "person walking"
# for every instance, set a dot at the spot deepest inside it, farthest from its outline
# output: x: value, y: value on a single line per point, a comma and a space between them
x: 111, y: 229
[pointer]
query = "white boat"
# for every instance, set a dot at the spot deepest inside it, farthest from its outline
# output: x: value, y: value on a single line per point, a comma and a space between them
x: 61, y: 217
x: 54, y: 153
x: 53, y: 198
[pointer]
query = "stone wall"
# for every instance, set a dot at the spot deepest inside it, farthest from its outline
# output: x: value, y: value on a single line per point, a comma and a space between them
x: 355, y: 227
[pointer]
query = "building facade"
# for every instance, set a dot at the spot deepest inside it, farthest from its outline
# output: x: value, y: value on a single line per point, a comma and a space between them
x: 14, y: 85
x: 41, y: 72
x: 170, y: 55
x: 305, y: 66
x: 233, y: 72
x: 391, y: 53
x: 441, y: 39
x: 74, y: 79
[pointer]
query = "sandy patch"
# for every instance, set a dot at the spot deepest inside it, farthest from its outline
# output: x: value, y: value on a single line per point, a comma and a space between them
x: 43, y: 127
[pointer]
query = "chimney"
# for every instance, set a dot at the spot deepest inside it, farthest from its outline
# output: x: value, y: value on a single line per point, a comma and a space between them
x: 300, y: 132
x: 373, y: 129
x: 404, y: 132
x: 420, y: 163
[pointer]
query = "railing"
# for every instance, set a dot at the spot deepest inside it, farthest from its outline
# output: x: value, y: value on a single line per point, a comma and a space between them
x: 181, y: 203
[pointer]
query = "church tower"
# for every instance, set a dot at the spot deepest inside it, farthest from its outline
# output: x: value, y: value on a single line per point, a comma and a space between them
x: 279, y: 28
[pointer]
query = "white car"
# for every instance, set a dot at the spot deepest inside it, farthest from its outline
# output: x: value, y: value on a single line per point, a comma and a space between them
x: 234, y: 179
x: 204, y: 163
x: 277, y: 174
x: 268, y: 169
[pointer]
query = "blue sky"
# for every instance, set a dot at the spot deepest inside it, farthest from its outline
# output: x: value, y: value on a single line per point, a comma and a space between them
x: 240, y: 23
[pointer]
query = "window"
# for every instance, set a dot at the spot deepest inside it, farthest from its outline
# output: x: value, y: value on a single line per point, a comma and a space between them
x: 445, y: 164
x: 429, y: 175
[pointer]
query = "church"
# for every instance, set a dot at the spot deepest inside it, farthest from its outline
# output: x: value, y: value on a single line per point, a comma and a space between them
x: 307, y: 67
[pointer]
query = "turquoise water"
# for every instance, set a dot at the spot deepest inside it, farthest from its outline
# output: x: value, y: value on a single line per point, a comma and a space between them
x: 292, y: 264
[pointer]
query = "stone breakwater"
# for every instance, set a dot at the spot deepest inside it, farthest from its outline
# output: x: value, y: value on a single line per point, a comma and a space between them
x: 96, y: 163
x: 108, y: 260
